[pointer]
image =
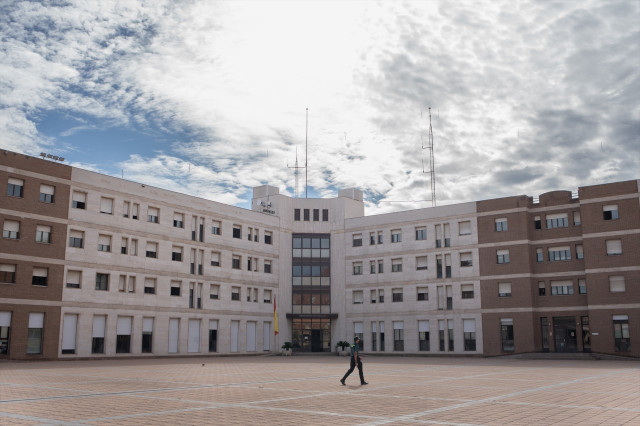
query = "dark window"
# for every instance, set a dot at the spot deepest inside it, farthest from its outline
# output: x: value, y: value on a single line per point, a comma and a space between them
x: 469, y: 341
x: 152, y: 218
x: 306, y: 215
x: 7, y: 277
x: 177, y: 224
x: 448, y: 271
x: 152, y: 254
x: 123, y: 343
x: 537, y: 224
x: 316, y: 215
x: 215, y: 230
x: 398, y: 340
x: 176, y: 256
x: 213, y: 340
x: 325, y: 215
x: 296, y: 214
x: 235, y: 263
x: 267, y: 239
x: 175, y: 291
x: 102, y: 281
x: 397, y: 297
x: 235, y: 296
x: 423, y: 296
x: 267, y: 268
x: 610, y: 215
x: 147, y: 342
x: 97, y: 345
x: 150, y: 290
x: 423, y: 337
x: 357, y: 242
x: 506, y: 334
x: 42, y: 281
x: 467, y: 294
x: 236, y: 233
x: 79, y: 205
x: 622, y: 340
x: 123, y: 250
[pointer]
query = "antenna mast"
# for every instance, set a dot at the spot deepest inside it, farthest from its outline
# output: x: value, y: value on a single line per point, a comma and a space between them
x: 432, y: 168
x: 296, y: 167
x: 296, y: 193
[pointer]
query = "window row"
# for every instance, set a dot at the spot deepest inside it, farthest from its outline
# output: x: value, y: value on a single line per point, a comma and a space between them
x: 11, y: 230
x: 444, y: 339
x: 306, y: 215
x: 444, y: 295
x: 442, y: 264
x: 442, y: 234
x: 15, y: 188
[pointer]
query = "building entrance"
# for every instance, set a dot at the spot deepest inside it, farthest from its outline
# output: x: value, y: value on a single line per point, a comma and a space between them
x: 311, y: 334
x: 565, y: 335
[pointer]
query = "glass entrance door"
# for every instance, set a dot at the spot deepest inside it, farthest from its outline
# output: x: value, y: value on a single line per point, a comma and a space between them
x: 565, y: 335
x: 586, y: 335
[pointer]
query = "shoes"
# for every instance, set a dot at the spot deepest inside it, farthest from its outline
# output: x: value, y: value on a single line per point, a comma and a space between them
x: 364, y: 383
x: 342, y: 381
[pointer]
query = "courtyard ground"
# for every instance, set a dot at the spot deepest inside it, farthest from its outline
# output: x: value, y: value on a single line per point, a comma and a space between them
x: 299, y: 390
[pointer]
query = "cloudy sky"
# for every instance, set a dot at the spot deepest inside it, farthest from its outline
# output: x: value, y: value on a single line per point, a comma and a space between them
x: 209, y: 98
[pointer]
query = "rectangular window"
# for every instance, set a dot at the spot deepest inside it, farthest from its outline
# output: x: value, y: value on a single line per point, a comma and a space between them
x: 7, y: 273
x: 616, y: 284
x: 104, y: 243
x: 614, y: 247
x: 449, y: 290
x: 215, y: 258
x: 450, y: 335
x: 149, y: 286
x: 124, y: 245
x: 325, y: 215
x: 268, y: 237
x: 316, y: 215
x: 106, y: 205
x: 447, y: 265
x: 559, y: 220
x: 152, y: 250
x: 559, y: 288
x: 506, y: 334
x: 421, y: 233
x: 464, y: 227
x: 125, y: 209
x: 423, y: 294
x: 504, y: 289
x: 467, y: 291
x: 11, y: 229
x: 306, y: 215
x: 267, y: 266
x: 357, y: 240
x: 135, y: 210
x: 582, y: 286
x: 235, y: 293
x: 178, y: 220
x: 380, y: 237
x: 469, y: 329
x: 423, y: 335
x: 447, y: 235
x: 396, y: 294
x: 503, y: 256
x: 15, y: 188
x: 440, y: 295
x: 147, y: 335
x: 396, y: 236
x: 396, y: 265
x: 235, y: 262
x: 381, y: 295
x: 398, y: 335
x: 46, y: 193
x: 74, y: 278
x: 579, y: 251
x: 237, y: 231
x: 610, y: 212
x: 213, y: 335
x: 123, y: 335
x: 382, y: 348
x: 558, y: 254
x: 537, y: 223
x: 175, y: 288
x: 40, y: 277
x: 439, y: 266
x: 372, y: 266
x: 79, y: 200
x: 542, y: 288
x: 380, y: 266
x: 501, y: 224
x: 266, y: 296
x: 576, y: 218
x: 358, y: 298
x: 214, y: 291
x: 153, y: 215
x: 622, y: 338
x: 76, y: 238
x: 176, y: 254
x: 374, y: 336
x: 357, y: 268
x: 216, y: 227
x: 296, y: 214
x: 374, y: 296
x: 97, y: 341
x: 466, y: 259
x: 132, y: 284
x: 34, y: 333
x: 102, y: 281
x: 421, y: 263
x: 539, y: 255
x: 43, y: 234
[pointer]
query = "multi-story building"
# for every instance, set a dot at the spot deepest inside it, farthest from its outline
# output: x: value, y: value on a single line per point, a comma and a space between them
x: 96, y: 266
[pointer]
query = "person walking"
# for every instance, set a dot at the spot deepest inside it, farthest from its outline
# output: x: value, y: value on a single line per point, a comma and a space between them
x: 355, y: 360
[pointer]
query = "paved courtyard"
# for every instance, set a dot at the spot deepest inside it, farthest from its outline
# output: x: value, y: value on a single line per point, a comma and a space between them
x: 299, y: 390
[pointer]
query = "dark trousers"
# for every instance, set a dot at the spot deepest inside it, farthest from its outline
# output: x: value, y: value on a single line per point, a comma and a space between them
x: 353, y: 366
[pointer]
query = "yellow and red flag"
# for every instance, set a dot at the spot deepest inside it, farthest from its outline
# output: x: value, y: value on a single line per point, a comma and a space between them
x: 275, y: 318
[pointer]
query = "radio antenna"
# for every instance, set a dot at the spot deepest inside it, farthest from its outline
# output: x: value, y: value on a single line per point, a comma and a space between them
x: 432, y: 168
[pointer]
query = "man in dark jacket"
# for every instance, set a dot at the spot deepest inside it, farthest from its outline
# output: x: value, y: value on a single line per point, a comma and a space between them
x: 355, y: 360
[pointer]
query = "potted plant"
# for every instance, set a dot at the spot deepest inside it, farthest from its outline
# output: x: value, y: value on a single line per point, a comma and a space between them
x: 286, y: 348
x: 342, y: 347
